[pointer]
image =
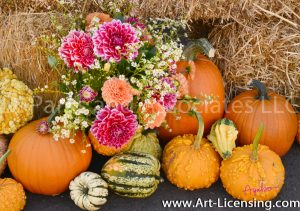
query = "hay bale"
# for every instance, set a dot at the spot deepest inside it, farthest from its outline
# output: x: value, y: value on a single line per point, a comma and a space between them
x: 18, y: 34
x: 216, y: 10
x: 267, y: 49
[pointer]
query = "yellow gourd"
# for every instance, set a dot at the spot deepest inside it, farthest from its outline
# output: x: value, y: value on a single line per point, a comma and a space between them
x: 223, y: 135
x: 16, y: 102
x: 190, y: 162
x: 253, y: 172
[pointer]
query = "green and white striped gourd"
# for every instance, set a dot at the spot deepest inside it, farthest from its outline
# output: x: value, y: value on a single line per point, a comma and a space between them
x: 89, y: 191
x: 132, y: 174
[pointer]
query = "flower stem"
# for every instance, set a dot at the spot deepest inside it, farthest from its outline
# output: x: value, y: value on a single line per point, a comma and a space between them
x: 257, y: 138
x: 4, y: 156
x: 199, y: 136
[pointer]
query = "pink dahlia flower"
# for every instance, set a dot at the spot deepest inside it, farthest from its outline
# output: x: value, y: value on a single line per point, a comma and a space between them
x: 87, y: 94
x: 116, y: 91
x: 114, y: 126
x: 115, y: 40
x: 135, y: 22
x: 77, y: 50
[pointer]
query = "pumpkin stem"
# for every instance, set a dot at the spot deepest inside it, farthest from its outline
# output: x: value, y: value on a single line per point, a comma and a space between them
x: 257, y: 138
x: 4, y: 156
x: 262, y: 90
x: 199, y: 136
x: 199, y: 46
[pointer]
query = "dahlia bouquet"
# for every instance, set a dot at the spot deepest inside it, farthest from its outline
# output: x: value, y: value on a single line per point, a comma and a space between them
x: 120, y: 77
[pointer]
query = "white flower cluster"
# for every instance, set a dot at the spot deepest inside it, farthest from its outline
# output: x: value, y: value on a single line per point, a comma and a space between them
x: 75, y: 117
x: 156, y: 68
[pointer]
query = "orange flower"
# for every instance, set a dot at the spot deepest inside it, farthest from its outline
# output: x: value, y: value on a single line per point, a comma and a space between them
x: 101, y: 16
x: 116, y: 92
x: 153, y: 114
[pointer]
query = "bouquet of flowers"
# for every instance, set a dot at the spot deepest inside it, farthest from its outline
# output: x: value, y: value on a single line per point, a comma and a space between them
x: 121, y: 77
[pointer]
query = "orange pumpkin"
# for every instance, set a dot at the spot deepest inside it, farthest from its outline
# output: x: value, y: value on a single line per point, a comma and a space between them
x: 106, y: 150
x: 253, y: 172
x: 190, y: 161
x: 204, y: 83
x: 45, y: 166
x: 12, y: 195
x: 250, y: 108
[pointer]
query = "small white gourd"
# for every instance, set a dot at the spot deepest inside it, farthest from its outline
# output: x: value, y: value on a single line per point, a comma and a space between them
x: 89, y: 191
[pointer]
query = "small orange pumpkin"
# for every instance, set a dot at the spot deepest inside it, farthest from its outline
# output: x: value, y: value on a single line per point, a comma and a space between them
x: 190, y: 162
x: 106, y: 150
x: 12, y: 195
x: 45, y: 166
x: 205, y: 83
x: 252, y: 107
x: 253, y: 172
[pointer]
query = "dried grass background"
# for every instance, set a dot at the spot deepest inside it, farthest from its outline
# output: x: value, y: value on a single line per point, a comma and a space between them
x: 267, y: 49
x: 254, y: 38
x: 190, y: 9
x: 18, y: 33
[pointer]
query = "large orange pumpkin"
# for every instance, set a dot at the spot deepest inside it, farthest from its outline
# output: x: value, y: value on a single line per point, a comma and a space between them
x: 204, y: 83
x: 252, y: 107
x: 45, y: 166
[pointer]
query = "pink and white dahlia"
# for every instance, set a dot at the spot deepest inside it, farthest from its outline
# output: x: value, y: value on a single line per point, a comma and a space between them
x: 87, y: 94
x: 114, y: 126
x: 77, y: 50
x: 116, y: 40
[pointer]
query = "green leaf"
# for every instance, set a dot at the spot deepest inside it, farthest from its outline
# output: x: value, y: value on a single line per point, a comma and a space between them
x: 120, y: 17
x: 52, y: 61
x: 151, y: 52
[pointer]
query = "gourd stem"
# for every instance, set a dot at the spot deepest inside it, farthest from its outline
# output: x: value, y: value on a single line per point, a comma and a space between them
x: 195, y: 47
x: 262, y: 90
x: 257, y: 138
x: 199, y: 136
x: 4, y: 156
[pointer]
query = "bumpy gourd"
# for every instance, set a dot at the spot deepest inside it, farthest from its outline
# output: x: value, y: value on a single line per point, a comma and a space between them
x: 89, y: 191
x: 132, y: 174
x: 253, y: 172
x: 3, y: 153
x: 223, y: 135
x: 190, y: 162
x: 12, y: 195
x: 16, y: 102
x: 146, y: 142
